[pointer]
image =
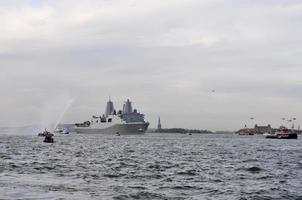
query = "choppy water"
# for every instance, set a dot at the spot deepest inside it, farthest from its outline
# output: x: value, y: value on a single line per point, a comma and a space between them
x: 153, y: 166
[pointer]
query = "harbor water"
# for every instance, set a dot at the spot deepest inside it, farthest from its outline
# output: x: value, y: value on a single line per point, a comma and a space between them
x: 150, y: 166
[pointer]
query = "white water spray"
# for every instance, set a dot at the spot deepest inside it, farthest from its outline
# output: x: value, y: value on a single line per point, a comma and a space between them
x: 68, y: 104
x: 54, y: 110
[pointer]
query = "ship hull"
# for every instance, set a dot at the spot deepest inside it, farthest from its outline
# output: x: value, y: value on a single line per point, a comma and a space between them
x: 122, y: 129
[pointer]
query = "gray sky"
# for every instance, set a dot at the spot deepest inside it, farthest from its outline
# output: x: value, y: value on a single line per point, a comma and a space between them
x: 167, y: 56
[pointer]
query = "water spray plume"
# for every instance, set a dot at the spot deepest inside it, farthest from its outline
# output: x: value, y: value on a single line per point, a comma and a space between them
x: 54, y: 110
x: 69, y: 103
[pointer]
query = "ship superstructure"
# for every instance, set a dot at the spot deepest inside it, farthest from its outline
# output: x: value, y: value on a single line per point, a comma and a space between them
x: 126, y: 121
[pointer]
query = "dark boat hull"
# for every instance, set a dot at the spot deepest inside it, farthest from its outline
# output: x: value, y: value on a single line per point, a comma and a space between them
x: 122, y: 129
x: 288, y: 136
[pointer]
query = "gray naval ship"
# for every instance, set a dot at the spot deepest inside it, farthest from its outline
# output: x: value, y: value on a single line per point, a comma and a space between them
x: 124, y: 122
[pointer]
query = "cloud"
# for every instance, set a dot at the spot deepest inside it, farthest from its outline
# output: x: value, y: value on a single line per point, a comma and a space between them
x: 165, y: 55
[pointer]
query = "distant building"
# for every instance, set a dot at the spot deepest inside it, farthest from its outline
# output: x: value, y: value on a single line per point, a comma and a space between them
x: 262, y: 129
x: 159, y: 124
x: 256, y: 130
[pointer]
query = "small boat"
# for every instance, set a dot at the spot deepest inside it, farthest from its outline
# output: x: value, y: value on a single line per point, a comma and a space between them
x: 58, y: 130
x: 61, y: 130
x: 48, y: 136
x: 65, y: 131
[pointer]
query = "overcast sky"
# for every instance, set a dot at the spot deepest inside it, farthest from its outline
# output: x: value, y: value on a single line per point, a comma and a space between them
x: 167, y: 56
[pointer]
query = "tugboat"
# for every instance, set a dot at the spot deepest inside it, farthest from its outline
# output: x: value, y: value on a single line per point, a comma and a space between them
x: 282, y: 133
x: 48, y: 136
x: 61, y: 130
x: 285, y: 133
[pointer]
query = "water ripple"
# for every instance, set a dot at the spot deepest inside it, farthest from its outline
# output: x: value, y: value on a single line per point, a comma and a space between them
x: 153, y: 166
